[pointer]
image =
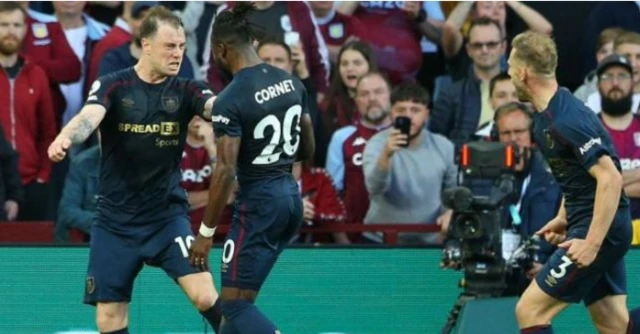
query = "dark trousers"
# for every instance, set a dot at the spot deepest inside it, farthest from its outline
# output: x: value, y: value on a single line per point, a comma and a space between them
x: 34, y: 206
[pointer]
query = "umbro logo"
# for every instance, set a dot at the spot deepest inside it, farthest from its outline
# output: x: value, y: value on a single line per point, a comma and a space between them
x: 359, y: 141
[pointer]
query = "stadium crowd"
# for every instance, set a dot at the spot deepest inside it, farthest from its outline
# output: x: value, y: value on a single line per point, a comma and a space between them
x: 442, y: 64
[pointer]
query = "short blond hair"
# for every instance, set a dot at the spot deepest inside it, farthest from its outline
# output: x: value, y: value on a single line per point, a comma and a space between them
x: 607, y: 36
x: 627, y: 37
x: 536, y: 51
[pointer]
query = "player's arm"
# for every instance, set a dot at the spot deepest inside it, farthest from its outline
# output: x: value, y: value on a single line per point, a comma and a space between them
x: 222, y: 181
x: 77, y: 130
x: 608, y: 189
x: 307, y: 140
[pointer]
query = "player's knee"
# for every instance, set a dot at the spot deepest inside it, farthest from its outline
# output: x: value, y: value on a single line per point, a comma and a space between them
x: 203, y: 301
x: 110, y: 320
x: 528, y: 313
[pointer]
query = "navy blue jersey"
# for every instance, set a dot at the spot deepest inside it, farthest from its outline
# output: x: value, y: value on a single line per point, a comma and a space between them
x: 262, y: 105
x: 572, y: 139
x: 142, y: 138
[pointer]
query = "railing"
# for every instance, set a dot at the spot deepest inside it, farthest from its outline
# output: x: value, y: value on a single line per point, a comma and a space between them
x: 43, y: 231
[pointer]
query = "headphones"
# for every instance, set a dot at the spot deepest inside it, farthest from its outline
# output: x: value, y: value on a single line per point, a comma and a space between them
x: 508, y: 108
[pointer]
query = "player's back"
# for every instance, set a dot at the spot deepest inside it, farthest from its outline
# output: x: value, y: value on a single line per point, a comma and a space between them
x: 572, y: 139
x: 263, y: 105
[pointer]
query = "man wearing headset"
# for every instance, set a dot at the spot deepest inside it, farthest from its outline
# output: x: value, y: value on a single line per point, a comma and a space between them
x: 539, y: 195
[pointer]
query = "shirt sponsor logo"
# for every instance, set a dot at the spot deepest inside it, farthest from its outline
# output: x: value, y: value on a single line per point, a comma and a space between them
x: 588, y: 145
x: 220, y: 119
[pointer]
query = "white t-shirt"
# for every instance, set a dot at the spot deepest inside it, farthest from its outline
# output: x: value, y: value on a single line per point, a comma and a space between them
x: 77, y: 39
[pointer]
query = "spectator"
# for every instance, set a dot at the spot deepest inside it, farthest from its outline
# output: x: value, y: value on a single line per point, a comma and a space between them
x: 322, y: 206
x: 47, y: 46
x: 276, y: 53
x: 127, y: 54
x: 279, y: 18
x: 501, y: 92
x: 198, y: 160
x: 628, y: 45
x: 539, y: 194
x: 121, y: 32
x: 336, y: 28
x: 355, y: 59
x: 344, y: 158
x: 604, y: 47
x: 26, y: 113
x: 465, y: 105
x: 394, y: 31
x: 615, y: 85
x: 607, y: 14
x: 402, y: 188
x: 452, y: 34
x: 82, y: 32
x: 79, y: 195
x: 432, y: 58
x: 11, y: 193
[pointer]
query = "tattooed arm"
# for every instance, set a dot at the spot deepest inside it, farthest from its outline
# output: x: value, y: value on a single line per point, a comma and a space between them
x: 77, y: 130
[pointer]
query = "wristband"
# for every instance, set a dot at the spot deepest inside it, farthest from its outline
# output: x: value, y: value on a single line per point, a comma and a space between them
x: 206, y: 231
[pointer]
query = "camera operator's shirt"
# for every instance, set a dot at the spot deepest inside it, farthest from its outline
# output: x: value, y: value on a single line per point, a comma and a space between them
x: 572, y: 139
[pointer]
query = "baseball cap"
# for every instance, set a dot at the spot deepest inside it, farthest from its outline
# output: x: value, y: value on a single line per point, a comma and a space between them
x: 139, y: 6
x: 614, y: 60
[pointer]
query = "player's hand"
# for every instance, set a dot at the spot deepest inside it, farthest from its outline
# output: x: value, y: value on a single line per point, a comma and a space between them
x: 411, y: 8
x: 309, y: 209
x: 395, y: 141
x: 199, y: 252
x: 531, y: 273
x: 443, y: 221
x: 58, y: 149
x: 555, y: 231
x: 581, y: 252
x: 11, y: 208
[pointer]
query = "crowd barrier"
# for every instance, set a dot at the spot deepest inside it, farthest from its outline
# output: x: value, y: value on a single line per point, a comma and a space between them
x: 311, y: 290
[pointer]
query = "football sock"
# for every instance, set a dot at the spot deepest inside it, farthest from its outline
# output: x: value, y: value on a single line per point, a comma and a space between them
x: 245, y: 318
x: 213, y: 315
x: 119, y: 331
x: 634, y: 322
x: 540, y: 329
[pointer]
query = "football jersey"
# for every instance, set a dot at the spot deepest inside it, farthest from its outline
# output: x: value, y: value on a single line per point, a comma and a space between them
x: 572, y: 139
x: 142, y: 139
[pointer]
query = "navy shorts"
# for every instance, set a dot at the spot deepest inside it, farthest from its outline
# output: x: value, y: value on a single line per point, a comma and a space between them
x: 115, y: 260
x: 260, y: 231
x: 562, y: 279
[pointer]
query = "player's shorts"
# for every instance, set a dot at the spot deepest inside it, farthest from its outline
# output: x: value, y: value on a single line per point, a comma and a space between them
x: 562, y: 279
x: 260, y: 231
x: 115, y: 260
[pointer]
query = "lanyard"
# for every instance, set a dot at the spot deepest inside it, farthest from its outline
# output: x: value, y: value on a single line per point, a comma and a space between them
x: 515, y: 209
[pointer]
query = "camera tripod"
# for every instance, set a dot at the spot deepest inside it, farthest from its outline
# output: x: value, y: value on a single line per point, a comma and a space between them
x: 472, y: 292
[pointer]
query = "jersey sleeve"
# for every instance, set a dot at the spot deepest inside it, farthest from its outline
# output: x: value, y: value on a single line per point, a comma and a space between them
x: 101, y: 91
x: 199, y: 95
x: 226, y: 118
x: 585, y: 139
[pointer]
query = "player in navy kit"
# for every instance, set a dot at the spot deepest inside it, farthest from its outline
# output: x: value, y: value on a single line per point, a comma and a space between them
x: 593, y: 226
x: 142, y: 114
x: 263, y: 126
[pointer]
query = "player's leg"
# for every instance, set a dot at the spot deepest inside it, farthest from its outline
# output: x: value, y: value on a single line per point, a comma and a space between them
x: 607, y: 301
x: 114, y: 264
x: 257, y: 237
x: 559, y: 283
x: 169, y: 249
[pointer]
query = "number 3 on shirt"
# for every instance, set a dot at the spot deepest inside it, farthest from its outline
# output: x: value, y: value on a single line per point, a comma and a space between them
x: 566, y: 261
x: 271, y: 153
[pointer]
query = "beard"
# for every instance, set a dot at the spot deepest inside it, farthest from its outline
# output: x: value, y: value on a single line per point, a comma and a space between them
x: 223, y: 66
x: 9, y: 46
x: 375, y: 116
x: 616, y: 107
x: 522, y: 91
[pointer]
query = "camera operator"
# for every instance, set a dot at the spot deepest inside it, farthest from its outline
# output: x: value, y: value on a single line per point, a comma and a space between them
x: 539, y: 193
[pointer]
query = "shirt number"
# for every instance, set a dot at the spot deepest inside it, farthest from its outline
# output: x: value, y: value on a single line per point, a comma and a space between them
x: 562, y: 268
x: 271, y: 153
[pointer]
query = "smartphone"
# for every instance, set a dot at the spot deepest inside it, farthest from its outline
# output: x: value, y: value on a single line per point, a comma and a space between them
x: 291, y: 38
x: 403, y: 124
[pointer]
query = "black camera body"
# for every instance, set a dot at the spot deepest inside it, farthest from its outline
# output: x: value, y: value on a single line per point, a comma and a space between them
x: 475, y: 230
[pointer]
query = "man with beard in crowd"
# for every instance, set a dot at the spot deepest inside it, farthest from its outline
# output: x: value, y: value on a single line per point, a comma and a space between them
x: 616, y: 89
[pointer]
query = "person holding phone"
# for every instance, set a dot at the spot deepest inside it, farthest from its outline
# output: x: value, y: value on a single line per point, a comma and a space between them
x: 406, y: 166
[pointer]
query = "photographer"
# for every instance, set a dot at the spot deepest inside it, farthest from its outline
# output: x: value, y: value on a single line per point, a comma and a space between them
x: 539, y: 193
